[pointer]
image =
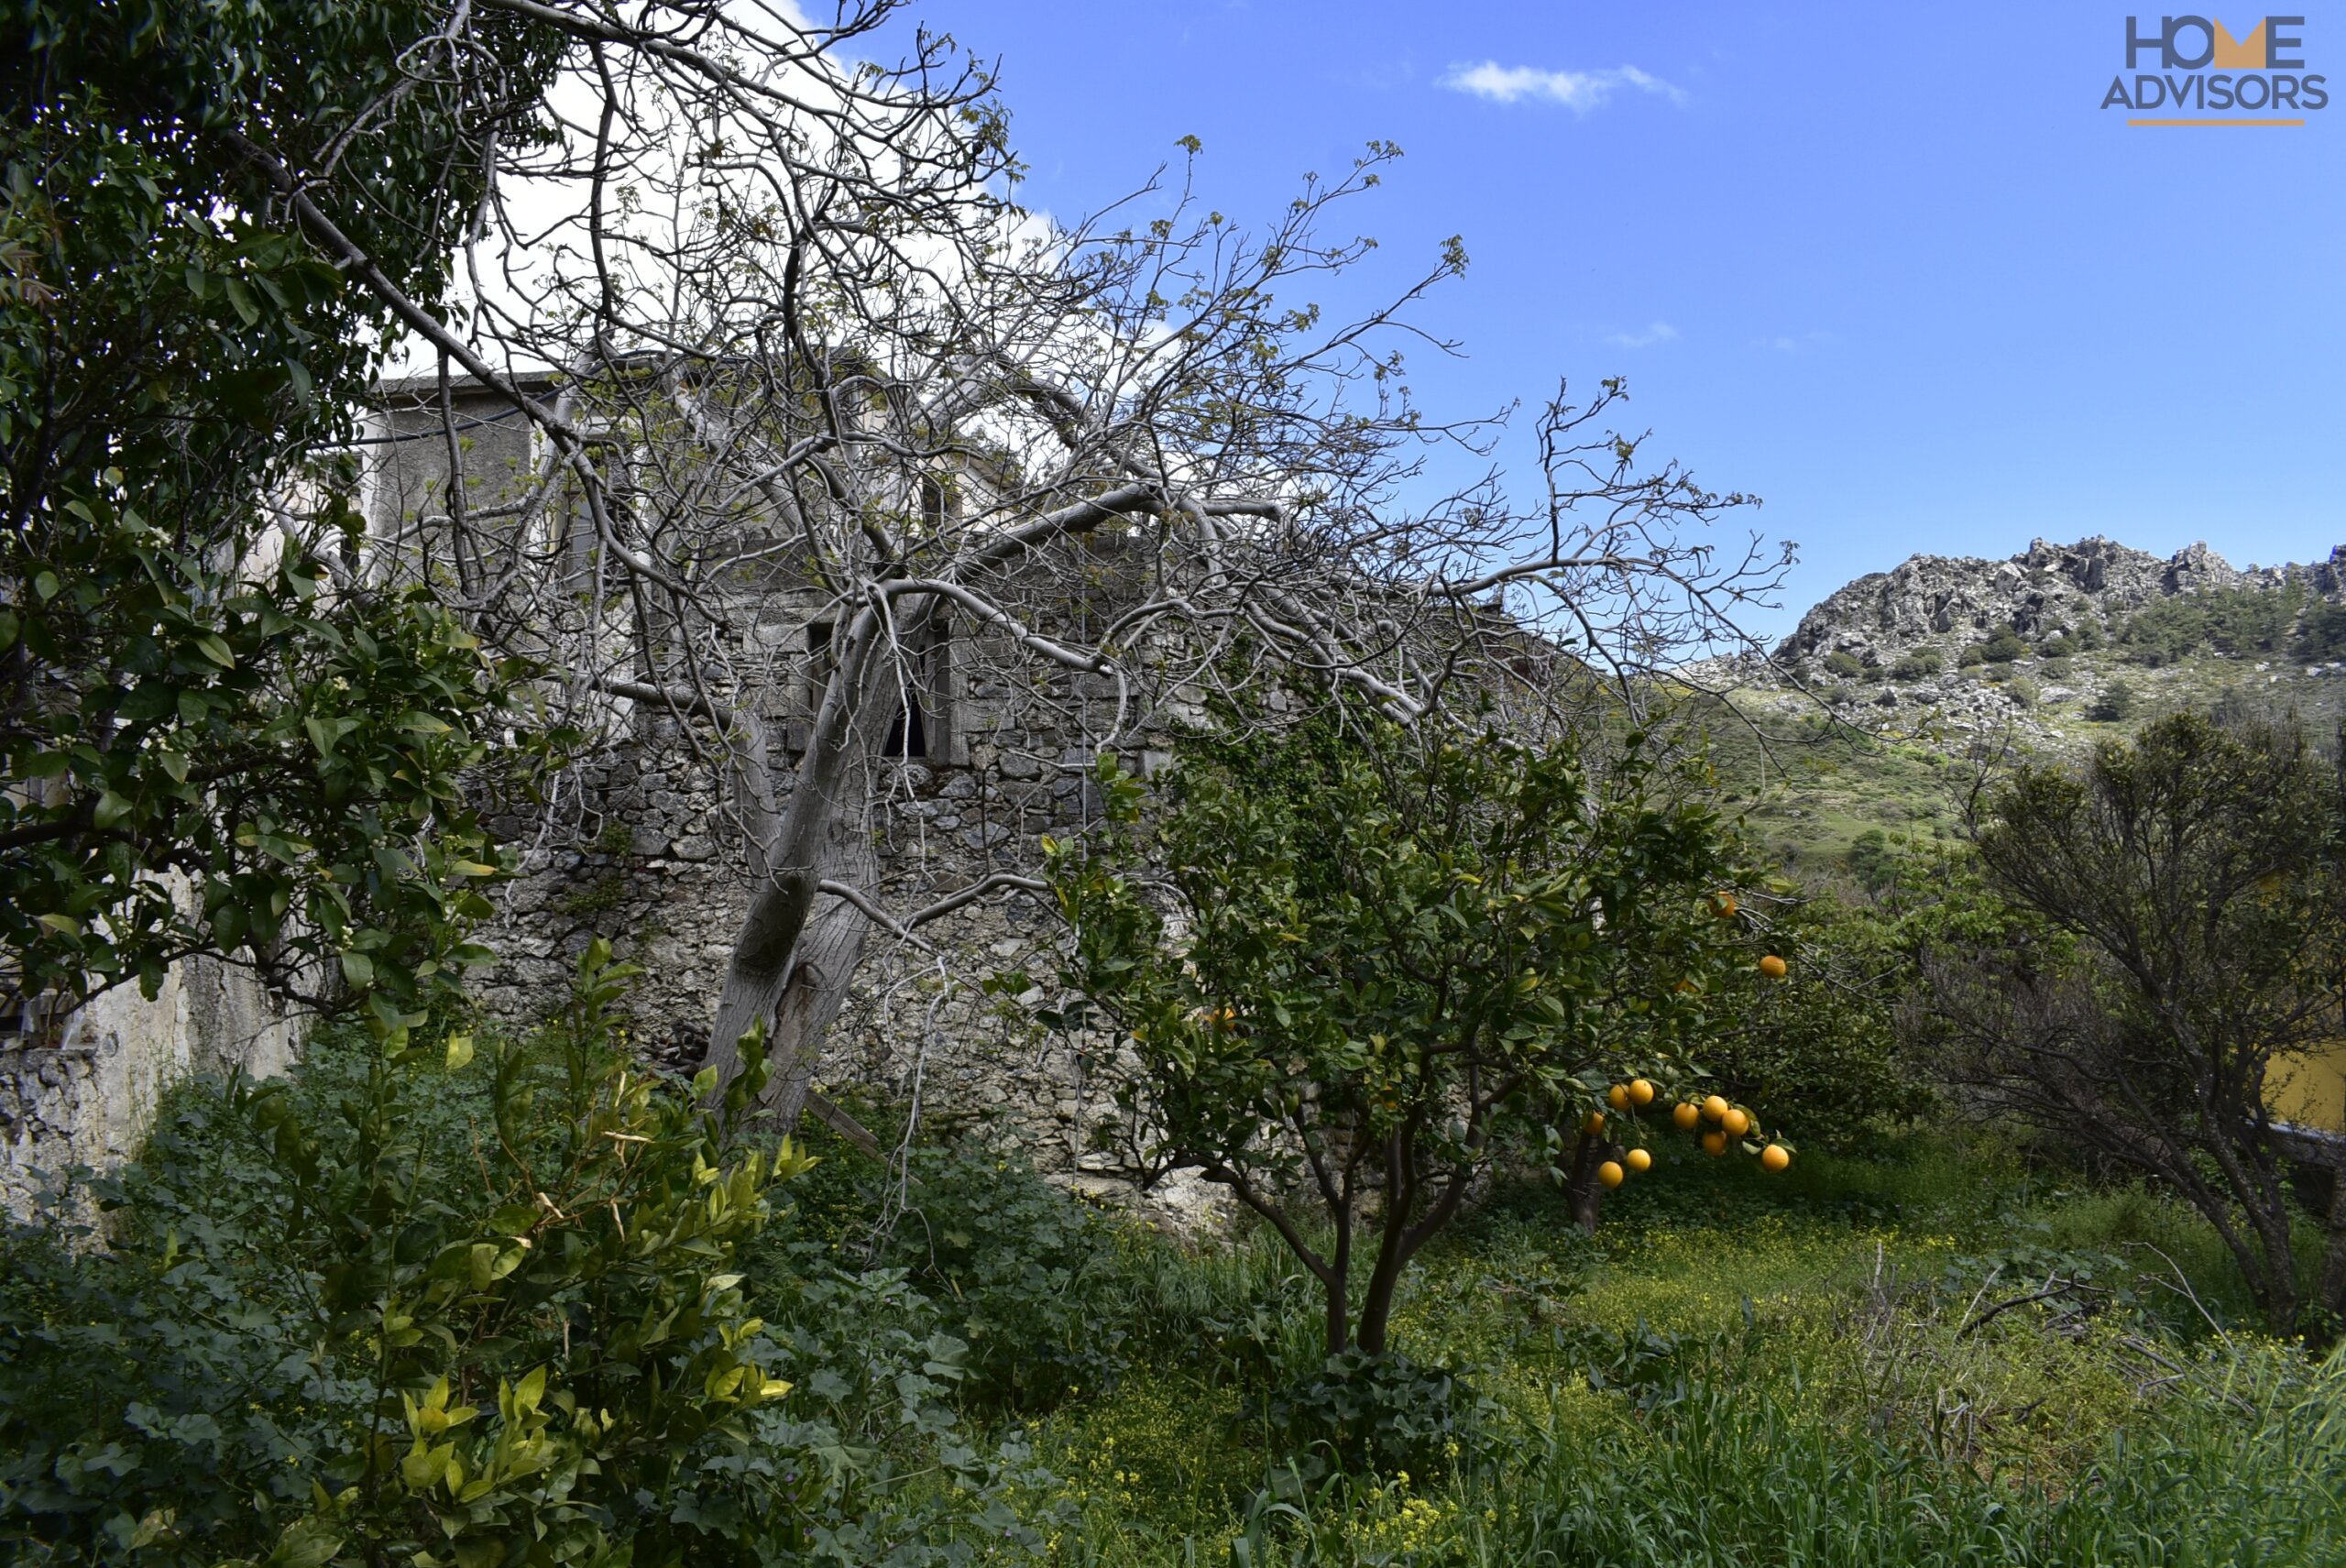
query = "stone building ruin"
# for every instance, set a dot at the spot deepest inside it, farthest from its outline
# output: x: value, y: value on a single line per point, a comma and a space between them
x: 638, y: 846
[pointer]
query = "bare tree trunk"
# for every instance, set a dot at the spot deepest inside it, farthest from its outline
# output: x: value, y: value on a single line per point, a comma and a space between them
x: 1586, y: 1193
x: 792, y: 963
x: 1392, y: 1250
x: 820, y: 967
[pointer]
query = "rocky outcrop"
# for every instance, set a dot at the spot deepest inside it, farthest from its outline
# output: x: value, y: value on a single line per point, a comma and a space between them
x: 1949, y: 602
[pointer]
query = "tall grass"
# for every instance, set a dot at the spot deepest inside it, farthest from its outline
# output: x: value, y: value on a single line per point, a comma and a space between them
x: 1805, y: 1372
x: 1731, y: 1480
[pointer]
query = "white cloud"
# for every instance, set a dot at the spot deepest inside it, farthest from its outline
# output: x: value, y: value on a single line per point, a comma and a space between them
x: 1655, y: 331
x: 1579, y: 90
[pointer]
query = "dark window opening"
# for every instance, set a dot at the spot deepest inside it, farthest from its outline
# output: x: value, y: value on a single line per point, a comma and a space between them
x: 932, y: 505
x: 907, y: 732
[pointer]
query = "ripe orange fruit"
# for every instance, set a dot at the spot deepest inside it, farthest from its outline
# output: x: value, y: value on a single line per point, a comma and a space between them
x: 1686, y: 1114
x: 1618, y: 1096
x: 1723, y: 905
x: 1594, y: 1124
x: 1639, y: 1161
x: 1773, y: 967
x: 1775, y: 1157
x: 1640, y: 1091
x: 1714, y: 1107
x: 1714, y: 1142
x: 1610, y: 1173
x: 1736, y: 1122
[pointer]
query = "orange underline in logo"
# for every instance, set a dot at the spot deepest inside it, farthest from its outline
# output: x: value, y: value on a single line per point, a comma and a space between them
x: 2215, y: 122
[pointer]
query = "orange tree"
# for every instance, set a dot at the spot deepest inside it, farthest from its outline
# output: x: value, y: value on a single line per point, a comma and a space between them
x: 220, y: 730
x: 1355, y: 962
x: 1821, y: 1051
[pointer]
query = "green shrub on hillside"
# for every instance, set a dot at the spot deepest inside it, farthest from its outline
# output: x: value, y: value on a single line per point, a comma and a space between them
x: 2225, y: 621
x: 1845, y: 665
x: 2323, y: 635
x: 1920, y: 664
x: 2003, y: 648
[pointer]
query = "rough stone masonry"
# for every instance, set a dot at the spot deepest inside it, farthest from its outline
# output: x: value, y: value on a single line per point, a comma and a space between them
x: 638, y: 847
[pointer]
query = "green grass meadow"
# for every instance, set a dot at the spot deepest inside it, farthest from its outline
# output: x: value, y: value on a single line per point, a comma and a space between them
x: 1809, y: 1369
x: 1930, y: 1353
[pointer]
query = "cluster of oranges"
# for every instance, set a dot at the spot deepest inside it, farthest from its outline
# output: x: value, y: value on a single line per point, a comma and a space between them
x: 1729, y: 1124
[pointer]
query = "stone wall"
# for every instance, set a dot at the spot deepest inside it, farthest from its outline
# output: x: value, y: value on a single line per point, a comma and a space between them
x: 637, y: 845
x: 643, y: 853
x: 89, y: 1098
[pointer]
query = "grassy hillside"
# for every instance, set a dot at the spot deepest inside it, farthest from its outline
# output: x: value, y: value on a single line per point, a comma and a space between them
x: 1818, y: 773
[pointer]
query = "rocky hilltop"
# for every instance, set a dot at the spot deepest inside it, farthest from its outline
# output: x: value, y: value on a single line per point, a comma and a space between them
x: 2045, y: 590
x: 2032, y: 647
x: 1950, y: 663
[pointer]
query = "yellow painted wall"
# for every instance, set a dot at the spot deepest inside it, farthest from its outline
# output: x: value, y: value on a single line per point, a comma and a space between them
x: 2309, y: 1091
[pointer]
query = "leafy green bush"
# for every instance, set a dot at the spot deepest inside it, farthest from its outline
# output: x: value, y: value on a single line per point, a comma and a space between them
x: 473, y: 1309
x: 1872, y: 860
x: 2003, y: 648
x: 1023, y: 1263
x: 2229, y: 620
x: 1370, y: 1415
x: 2057, y: 646
x: 2115, y: 704
x: 1028, y: 1276
x: 1844, y: 664
x: 1816, y: 1051
x: 1974, y: 654
x: 1917, y: 665
x: 391, y: 1340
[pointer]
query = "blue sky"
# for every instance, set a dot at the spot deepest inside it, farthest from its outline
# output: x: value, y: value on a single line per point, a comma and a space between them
x: 1890, y: 266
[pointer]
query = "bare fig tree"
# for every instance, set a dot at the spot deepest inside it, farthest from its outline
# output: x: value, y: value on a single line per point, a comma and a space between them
x: 805, y: 337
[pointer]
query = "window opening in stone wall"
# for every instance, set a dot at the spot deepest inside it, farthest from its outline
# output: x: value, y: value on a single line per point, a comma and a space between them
x: 35, y: 1019
x: 908, y: 731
